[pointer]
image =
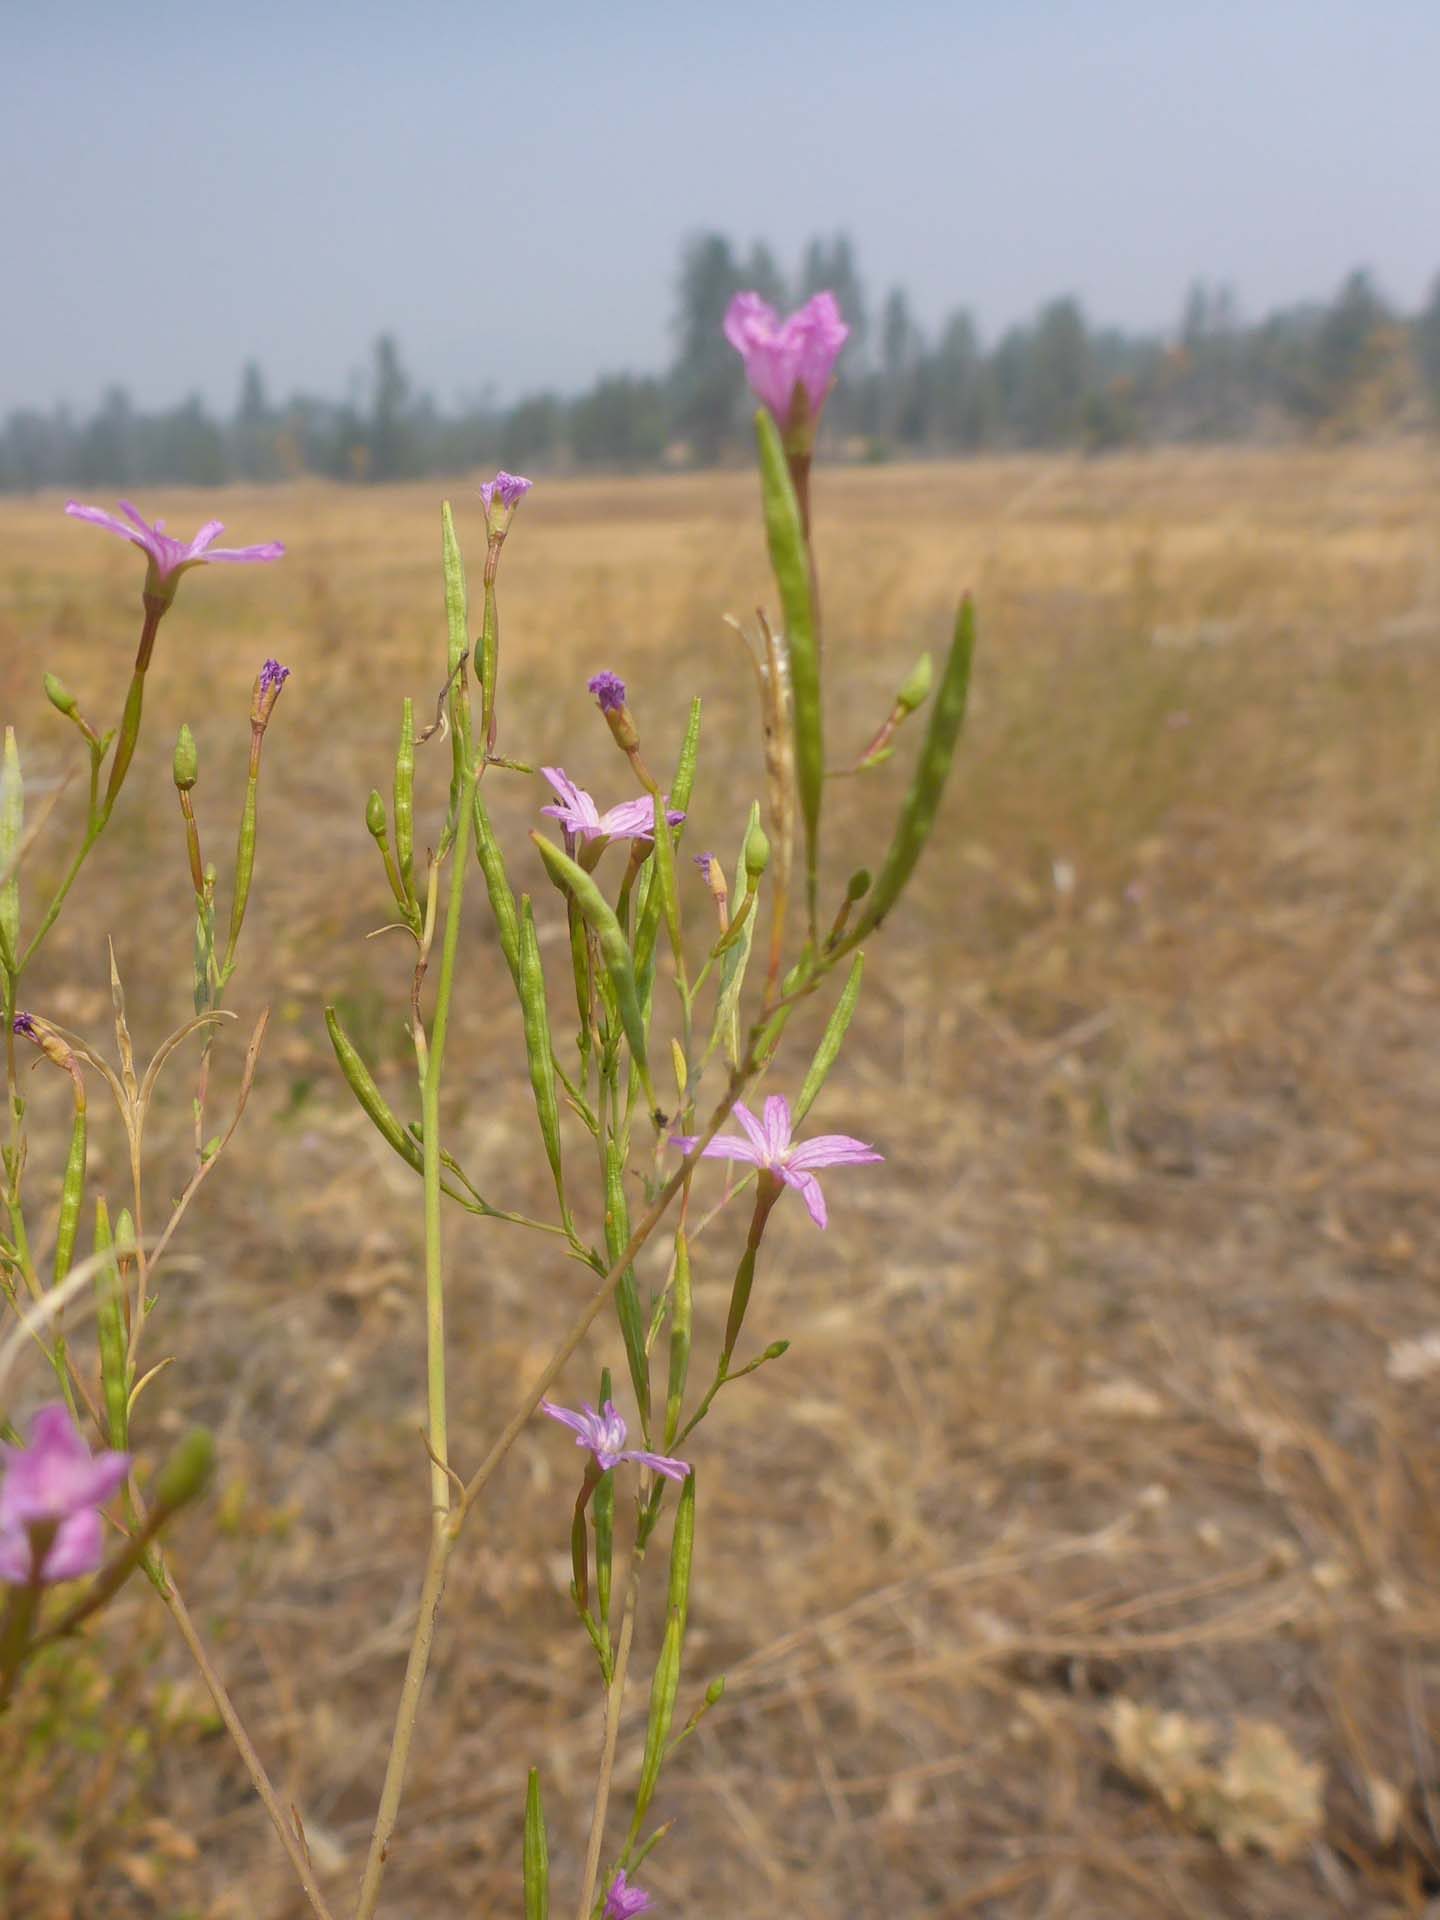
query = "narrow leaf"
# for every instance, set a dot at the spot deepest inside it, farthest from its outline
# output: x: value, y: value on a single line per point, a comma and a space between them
x: 790, y: 560
x: 537, y: 1044
x: 613, y: 950
x: 917, y: 818
x: 12, y: 823
x: 536, y: 1853
x: 830, y: 1041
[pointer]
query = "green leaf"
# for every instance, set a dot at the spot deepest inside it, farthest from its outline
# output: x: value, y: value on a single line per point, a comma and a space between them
x: 733, y: 968
x: 71, y: 1196
x: 917, y: 817
x: 457, y: 602
x: 110, y: 1325
x: 537, y: 1045
x: 830, y: 1041
x: 651, y: 897
x: 666, y: 1683
x: 627, y: 1294
x: 790, y: 560
x: 536, y: 1853
x: 614, y: 952
x: 405, y: 799
x: 12, y: 822
x: 681, y: 1326
x: 497, y: 885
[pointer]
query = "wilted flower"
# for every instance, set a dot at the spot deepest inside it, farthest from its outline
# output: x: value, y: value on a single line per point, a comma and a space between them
x: 578, y: 814
x: 609, y: 690
x: 55, y: 1482
x: 788, y: 359
x: 766, y: 1143
x: 604, y: 1434
x: 169, y: 557
x: 623, y: 1900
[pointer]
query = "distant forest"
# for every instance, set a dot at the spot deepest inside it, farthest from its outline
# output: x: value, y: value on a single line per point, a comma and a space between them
x: 1350, y: 365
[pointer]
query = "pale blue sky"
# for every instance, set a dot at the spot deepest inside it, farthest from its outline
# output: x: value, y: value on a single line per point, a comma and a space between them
x: 506, y: 187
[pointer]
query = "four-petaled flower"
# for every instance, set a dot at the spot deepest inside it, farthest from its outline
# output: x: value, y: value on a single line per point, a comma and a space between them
x: 578, y: 814
x: 55, y: 1483
x: 623, y: 1900
x: 511, y: 487
x: 609, y: 690
x: 169, y: 557
x: 604, y: 1434
x: 785, y: 358
x: 766, y: 1144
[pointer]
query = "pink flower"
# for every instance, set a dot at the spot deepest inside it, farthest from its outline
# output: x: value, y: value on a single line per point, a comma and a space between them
x: 170, y: 557
x: 766, y: 1143
x: 511, y: 487
x: 784, y: 358
x: 55, y: 1482
x: 623, y: 1900
x: 578, y: 814
x: 604, y: 1434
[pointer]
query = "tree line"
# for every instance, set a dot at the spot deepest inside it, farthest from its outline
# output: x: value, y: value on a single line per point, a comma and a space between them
x: 1349, y: 365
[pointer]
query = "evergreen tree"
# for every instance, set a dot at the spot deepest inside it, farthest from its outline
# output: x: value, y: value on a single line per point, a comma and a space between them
x: 707, y: 379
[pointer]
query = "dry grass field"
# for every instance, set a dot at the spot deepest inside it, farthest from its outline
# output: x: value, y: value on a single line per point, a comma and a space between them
x: 1109, y: 1399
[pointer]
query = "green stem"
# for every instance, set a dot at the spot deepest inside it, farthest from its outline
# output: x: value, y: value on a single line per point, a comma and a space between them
x: 442, y: 1540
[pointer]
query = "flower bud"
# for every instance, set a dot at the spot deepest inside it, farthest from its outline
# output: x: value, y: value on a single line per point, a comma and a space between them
x: 757, y: 853
x: 60, y: 697
x: 915, y: 687
x: 187, y: 761
x: 609, y: 691
x: 268, y: 684
x: 375, y: 815
x: 714, y: 1691
x: 185, y: 1474
x: 858, y: 885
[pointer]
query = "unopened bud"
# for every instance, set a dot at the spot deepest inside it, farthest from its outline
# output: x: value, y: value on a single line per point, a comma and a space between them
x: 60, y: 697
x: 775, y: 1349
x: 375, y: 815
x: 915, y: 687
x: 268, y: 684
x: 858, y: 886
x: 185, y: 1474
x: 757, y: 853
x: 609, y: 691
x: 714, y: 1691
x: 187, y: 761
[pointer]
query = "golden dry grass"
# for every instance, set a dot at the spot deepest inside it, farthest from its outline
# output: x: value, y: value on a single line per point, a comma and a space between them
x: 1093, y: 1397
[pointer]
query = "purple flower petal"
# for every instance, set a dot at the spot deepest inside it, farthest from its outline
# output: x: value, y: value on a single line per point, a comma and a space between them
x: 168, y: 555
x: 782, y: 356
x: 732, y: 1146
x: 609, y: 690
x: 77, y: 1549
x: 777, y: 1127
x: 754, y: 1130
x: 808, y: 1188
x: 832, y: 1150
x: 658, y: 1462
x: 55, y: 1480
x: 622, y: 1901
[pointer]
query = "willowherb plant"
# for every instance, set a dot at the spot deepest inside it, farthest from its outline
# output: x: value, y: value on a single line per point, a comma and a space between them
x: 683, y: 989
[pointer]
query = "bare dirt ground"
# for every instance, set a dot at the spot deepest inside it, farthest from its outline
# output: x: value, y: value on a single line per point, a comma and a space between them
x: 1080, y: 1560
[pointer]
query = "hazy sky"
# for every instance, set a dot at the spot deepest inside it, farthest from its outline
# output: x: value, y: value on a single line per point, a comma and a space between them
x: 506, y: 185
